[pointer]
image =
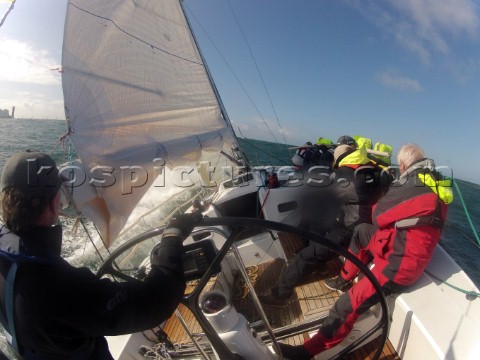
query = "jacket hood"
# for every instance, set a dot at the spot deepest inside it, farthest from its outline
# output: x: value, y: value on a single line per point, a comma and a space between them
x: 422, y: 164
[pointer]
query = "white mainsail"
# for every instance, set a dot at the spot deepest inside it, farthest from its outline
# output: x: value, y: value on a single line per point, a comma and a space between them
x: 137, y: 96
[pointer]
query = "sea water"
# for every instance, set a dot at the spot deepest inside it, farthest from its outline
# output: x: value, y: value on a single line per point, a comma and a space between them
x: 458, y: 237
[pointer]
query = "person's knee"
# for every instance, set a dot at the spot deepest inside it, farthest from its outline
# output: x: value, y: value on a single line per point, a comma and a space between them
x: 361, y: 237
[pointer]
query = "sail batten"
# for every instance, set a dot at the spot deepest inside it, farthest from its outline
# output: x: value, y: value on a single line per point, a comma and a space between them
x: 136, y: 90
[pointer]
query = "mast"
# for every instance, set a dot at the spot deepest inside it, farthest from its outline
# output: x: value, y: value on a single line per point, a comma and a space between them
x: 238, y: 148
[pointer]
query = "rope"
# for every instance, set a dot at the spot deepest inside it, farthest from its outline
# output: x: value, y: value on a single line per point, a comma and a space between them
x: 240, y: 289
x: 467, y: 213
x: 282, y: 161
x: 258, y: 201
x: 261, y: 208
x: 470, y: 294
x: 10, y: 8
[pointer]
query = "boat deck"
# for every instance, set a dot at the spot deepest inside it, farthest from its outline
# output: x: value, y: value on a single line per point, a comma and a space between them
x: 311, y: 299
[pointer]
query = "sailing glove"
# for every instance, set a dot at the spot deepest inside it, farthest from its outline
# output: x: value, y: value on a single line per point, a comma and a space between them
x: 182, y: 225
x: 168, y: 252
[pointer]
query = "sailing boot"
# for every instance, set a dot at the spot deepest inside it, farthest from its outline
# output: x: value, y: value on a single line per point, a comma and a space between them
x: 294, y: 352
x: 338, y: 283
x: 274, y: 301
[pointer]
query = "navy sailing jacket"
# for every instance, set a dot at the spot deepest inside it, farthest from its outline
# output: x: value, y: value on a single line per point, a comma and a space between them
x: 64, y: 312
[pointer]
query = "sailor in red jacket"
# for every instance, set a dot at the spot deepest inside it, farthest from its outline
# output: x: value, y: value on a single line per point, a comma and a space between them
x: 407, y: 224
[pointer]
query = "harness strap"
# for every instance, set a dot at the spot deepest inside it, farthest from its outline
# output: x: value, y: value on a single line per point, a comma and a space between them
x: 6, y: 328
x: 6, y: 317
x: 9, y: 300
x: 7, y: 313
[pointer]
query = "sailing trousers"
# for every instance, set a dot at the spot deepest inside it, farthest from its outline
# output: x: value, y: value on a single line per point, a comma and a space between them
x: 357, y: 300
x: 307, y: 261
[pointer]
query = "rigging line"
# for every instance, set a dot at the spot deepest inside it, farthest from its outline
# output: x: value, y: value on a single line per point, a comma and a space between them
x: 44, y: 65
x: 61, y: 141
x: 233, y: 73
x: 282, y: 161
x: 10, y: 8
x: 135, y: 37
x: 258, y: 70
x: 466, y: 212
x: 92, y: 241
x: 264, y: 202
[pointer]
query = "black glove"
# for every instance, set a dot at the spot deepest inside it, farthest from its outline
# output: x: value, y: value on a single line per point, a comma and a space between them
x: 168, y: 252
x: 182, y: 225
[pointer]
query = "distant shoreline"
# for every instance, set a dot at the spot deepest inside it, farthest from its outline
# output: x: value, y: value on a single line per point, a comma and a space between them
x: 26, y: 118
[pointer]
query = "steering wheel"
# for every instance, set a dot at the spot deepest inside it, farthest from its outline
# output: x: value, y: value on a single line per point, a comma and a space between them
x: 238, y: 227
x: 110, y: 267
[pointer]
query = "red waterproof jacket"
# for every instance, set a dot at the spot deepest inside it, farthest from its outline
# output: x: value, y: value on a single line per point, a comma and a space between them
x: 410, y: 219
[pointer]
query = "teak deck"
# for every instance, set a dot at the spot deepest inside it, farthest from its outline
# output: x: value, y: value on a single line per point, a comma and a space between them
x: 311, y: 299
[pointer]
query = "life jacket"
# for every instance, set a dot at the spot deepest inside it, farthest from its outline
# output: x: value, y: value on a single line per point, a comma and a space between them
x: 324, y: 141
x: 442, y: 187
x: 354, y: 159
x: 363, y: 142
x: 384, y: 160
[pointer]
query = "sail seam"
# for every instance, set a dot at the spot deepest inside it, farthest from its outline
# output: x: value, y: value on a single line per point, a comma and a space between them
x: 135, y: 37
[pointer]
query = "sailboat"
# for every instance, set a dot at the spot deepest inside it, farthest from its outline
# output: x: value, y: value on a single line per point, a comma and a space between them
x: 147, y: 123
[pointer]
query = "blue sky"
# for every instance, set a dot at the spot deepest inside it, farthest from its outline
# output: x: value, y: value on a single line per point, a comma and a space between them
x: 394, y: 71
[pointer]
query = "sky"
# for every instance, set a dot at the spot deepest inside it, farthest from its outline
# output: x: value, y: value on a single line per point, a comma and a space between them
x: 290, y: 71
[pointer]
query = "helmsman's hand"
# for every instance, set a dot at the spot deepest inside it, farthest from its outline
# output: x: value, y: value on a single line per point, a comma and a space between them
x: 168, y: 252
x: 182, y: 225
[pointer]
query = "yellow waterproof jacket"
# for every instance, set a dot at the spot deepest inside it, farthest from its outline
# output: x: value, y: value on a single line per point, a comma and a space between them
x: 363, y: 142
x: 355, y: 159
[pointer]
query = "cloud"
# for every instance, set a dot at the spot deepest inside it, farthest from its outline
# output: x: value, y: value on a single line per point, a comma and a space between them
x: 22, y: 63
x: 423, y: 27
x: 391, y: 79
